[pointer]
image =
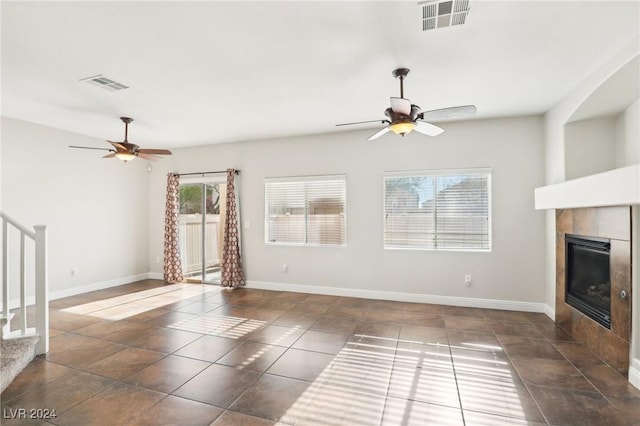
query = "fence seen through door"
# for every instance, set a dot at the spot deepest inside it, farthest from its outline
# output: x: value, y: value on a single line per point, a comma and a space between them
x: 201, y: 225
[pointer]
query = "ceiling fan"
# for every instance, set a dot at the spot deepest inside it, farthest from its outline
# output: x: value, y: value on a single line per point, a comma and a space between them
x: 127, y: 151
x: 403, y: 116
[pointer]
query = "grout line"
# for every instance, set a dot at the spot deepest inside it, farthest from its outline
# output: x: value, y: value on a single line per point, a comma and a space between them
x: 524, y: 383
x: 247, y: 303
x: 455, y: 377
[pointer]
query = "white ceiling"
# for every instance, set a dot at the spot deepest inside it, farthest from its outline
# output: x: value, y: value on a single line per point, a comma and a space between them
x: 211, y: 72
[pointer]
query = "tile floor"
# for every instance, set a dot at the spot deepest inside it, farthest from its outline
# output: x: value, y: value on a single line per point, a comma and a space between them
x: 187, y: 354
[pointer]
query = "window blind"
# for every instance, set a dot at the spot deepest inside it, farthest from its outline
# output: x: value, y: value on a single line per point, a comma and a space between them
x: 441, y: 210
x: 306, y: 210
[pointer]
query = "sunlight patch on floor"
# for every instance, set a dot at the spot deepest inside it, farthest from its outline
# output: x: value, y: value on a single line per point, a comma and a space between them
x: 131, y: 304
x: 483, y: 419
x: 429, y: 385
x: 495, y: 369
x: 267, y: 347
x: 420, y: 382
x: 219, y: 325
x: 256, y: 356
x: 433, y: 356
x: 499, y: 397
x: 406, y: 412
x: 479, y: 347
x: 351, y: 389
x: 357, y: 370
x: 491, y: 364
x: 486, y: 382
x: 335, y: 406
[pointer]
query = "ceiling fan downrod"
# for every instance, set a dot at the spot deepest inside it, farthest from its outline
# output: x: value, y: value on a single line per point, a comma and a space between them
x: 401, y: 73
x: 126, y: 121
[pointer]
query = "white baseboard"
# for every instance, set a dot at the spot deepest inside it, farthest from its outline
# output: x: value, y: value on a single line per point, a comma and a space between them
x: 155, y: 276
x: 53, y: 295
x: 332, y: 291
x: 97, y: 286
x: 550, y: 312
x: 403, y: 297
x: 634, y: 373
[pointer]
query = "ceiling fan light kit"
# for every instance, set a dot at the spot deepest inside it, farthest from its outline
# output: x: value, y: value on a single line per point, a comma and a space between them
x: 125, y: 156
x: 126, y: 151
x: 402, y: 127
x: 405, y: 117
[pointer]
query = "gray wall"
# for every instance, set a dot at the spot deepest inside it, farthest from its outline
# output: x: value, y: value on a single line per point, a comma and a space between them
x: 513, y: 148
x: 95, y: 210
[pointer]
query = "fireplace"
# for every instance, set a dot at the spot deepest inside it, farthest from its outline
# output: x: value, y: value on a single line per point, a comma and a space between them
x: 611, y: 227
x: 588, y: 277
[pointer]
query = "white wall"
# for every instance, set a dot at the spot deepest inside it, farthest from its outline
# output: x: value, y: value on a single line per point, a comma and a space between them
x: 590, y: 147
x: 95, y: 209
x: 512, y: 147
x: 0, y: 165
x: 554, y: 122
x: 631, y: 132
x: 628, y: 136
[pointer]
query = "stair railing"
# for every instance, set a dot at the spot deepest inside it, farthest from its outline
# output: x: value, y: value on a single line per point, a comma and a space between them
x: 39, y: 237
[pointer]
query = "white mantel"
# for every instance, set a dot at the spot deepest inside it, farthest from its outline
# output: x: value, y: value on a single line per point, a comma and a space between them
x: 618, y: 187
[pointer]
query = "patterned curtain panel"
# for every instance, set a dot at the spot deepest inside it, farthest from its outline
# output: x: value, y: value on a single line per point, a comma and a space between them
x: 172, y: 265
x: 231, y: 270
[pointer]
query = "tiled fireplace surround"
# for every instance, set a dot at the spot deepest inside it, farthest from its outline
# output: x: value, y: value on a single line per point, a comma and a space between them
x: 613, y: 223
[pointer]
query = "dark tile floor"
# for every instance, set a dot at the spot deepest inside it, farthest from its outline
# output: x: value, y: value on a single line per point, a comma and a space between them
x: 187, y: 354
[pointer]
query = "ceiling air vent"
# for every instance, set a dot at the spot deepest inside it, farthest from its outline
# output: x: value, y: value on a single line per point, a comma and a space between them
x: 104, y: 82
x: 439, y: 13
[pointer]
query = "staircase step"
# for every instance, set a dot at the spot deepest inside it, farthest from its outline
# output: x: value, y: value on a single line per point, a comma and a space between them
x: 4, y: 323
x: 16, y: 334
x: 15, y: 355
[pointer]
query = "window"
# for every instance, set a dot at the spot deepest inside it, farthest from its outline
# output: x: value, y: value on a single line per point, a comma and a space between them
x: 438, y: 210
x: 306, y: 210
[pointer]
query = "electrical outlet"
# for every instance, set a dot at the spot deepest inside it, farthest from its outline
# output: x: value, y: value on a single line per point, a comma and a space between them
x: 74, y: 272
x: 467, y: 280
x: 157, y: 259
x: 285, y: 268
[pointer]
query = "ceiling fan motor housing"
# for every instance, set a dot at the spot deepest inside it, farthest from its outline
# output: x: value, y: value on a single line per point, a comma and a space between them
x: 398, y: 117
x: 415, y: 111
x: 131, y: 147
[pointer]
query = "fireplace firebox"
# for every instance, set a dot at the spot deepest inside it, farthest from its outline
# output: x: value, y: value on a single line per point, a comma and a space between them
x: 588, y: 277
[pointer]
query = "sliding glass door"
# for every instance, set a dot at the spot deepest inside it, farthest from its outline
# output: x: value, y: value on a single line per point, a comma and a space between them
x: 202, y: 212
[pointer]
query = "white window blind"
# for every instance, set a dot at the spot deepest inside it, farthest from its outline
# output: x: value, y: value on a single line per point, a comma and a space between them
x: 438, y: 210
x: 306, y: 210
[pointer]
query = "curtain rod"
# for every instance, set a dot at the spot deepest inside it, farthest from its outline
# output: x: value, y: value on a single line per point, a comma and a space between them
x: 237, y: 172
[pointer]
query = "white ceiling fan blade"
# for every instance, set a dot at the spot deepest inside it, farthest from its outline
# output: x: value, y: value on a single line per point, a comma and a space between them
x: 379, y: 133
x: 401, y: 106
x: 427, y: 128
x: 449, y: 113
